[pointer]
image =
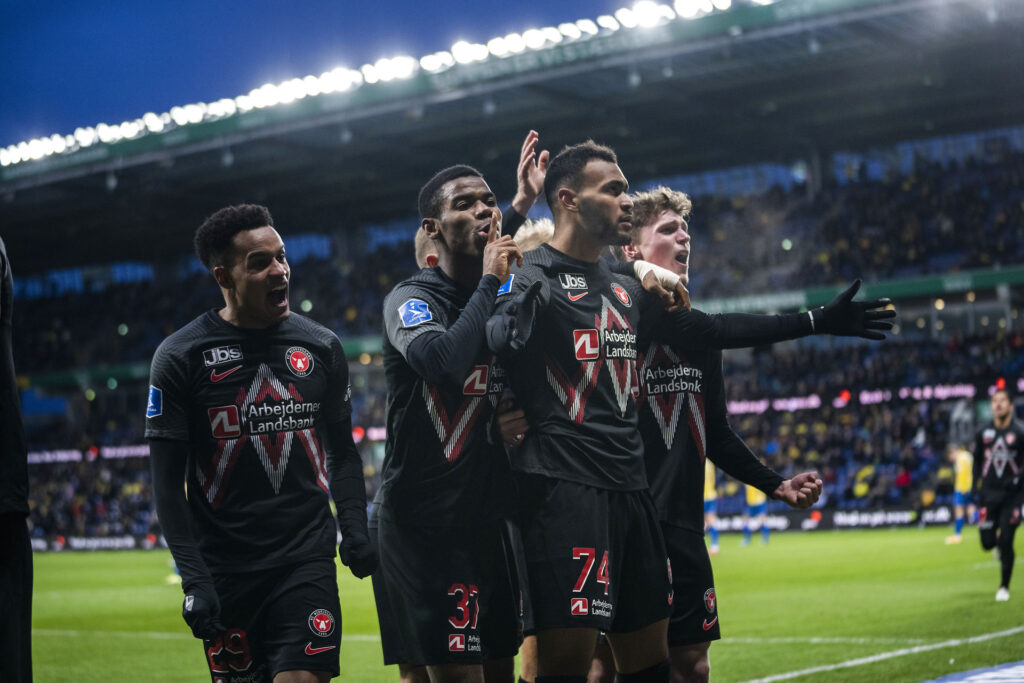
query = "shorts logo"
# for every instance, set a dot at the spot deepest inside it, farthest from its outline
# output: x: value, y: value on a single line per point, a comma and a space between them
x: 587, y: 344
x: 415, y: 312
x: 321, y: 623
x: 189, y: 601
x: 476, y: 381
x: 671, y: 590
x: 621, y: 294
x: 507, y: 287
x: 572, y: 281
x: 155, y: 404
x: 456, y: 642
x: 222, y: 354
x: 707, y: 625
x: 579, y: 607
x: 310, y: 650
x: 710, y: 602
x: 300, y: 362
x: 224, y: 422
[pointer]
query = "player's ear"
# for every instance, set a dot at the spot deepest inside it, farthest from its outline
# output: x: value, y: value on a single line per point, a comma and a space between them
x: 222, y: 274
x: 567, y: 199
x: 431, y: 227
x: 632, y: 252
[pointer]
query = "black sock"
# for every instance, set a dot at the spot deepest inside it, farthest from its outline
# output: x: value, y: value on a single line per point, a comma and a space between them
x: 1006, y: 559
x: 656, y: 674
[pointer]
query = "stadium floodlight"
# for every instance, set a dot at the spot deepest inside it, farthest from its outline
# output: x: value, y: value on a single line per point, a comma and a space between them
x: 370, y: 74
x: 722, y: 5
x: 687, y: 9
x: 5, y: 157
x: 311, y: 84
x: 497, y: 47
x: 608, y: 22
x: 463, y: 52
x: 154, y: 124
x: 626, y: 18
x: 647, y: 13
x: 129, y: 129
x: 404, y: 66
x: 534, y: 38
x: 59, y: 143
x: 570, y: 31
x: 85, y: 136
x: 587, y: 26
x: 243, y: 102
x: 552, y: 34
x: 515, y: 43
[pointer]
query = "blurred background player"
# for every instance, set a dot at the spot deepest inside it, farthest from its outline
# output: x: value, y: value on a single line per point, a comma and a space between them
x: 711, y: 505
x: 15, y: 548
x: 250, y: 438
x: 998, y: 467
x: 755, y: 515
x: 963, y: 475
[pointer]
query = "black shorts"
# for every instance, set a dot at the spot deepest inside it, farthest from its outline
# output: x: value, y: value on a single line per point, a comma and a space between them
x: 445, y: 595
x: 998, y: 511
x: 594, y: 558
x: 694, y: 602
x: 283, y: 619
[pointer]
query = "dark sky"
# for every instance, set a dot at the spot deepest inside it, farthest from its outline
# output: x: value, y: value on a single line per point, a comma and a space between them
x: 77, y: 63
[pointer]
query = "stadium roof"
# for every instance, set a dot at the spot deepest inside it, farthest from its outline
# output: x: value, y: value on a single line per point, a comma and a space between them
x: 752, y: 84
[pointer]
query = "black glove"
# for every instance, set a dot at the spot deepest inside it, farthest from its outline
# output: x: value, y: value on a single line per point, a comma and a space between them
x: 358, y: 554
x: 509, y: 331
x: 845, y: 317
x: 201, y: 611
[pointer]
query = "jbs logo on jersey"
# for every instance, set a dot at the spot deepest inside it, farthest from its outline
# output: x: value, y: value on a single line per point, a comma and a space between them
x: 988, y: 434
x: 456, y: 642
x: 222, y: 354
x: 579, y: 607
x: 224, y: 422
x: 587, y: 344
x: 476, y: 381
x: 572, y: 281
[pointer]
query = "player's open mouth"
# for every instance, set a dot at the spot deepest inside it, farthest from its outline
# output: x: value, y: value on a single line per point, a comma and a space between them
x: 278, y: 296
x: 682, y: 257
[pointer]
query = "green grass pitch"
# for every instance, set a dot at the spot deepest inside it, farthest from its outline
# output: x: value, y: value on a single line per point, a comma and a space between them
x: 805, y: 600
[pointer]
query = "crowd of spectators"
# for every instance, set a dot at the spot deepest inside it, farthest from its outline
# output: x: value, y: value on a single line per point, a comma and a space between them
x: 870, y: 454
x: 937, y: 220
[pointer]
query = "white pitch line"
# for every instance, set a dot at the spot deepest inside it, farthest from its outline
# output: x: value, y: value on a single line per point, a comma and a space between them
x: 888, y: 655
x: 352, y: 637
x: 816, y: 640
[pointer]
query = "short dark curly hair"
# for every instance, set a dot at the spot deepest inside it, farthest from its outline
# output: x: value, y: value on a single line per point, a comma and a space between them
x: 213, y: 238
x: 429, y: 202
x: 566, y: 169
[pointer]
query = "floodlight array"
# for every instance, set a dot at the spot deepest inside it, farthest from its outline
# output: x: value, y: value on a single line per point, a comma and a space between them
x: 643, y: 14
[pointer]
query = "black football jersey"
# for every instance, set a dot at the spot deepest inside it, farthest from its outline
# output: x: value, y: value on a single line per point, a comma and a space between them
x: 440, y: 467
x: 249, y: 403
x: 576, y: 379
x: 678, y: 389
x: 13, y: 449
x: 999, y: 458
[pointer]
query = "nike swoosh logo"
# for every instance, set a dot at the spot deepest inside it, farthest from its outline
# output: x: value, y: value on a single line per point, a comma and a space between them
x: 576, y: 297
x: 218, y: 376
x: 708, y: 624
x: 310, y: 650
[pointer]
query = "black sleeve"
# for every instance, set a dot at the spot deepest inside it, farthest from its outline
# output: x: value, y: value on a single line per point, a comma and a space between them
x: 168, y: 461
x: 511, y: 221
x: 345, y: 477
x: 725, y: 448
x: 732, y: 330
x: 446, y: 357
x: 622, y: 268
